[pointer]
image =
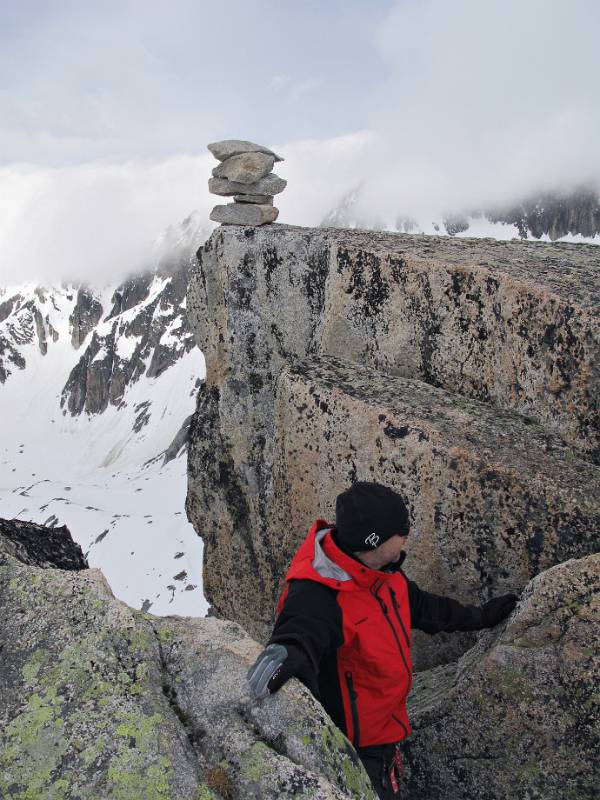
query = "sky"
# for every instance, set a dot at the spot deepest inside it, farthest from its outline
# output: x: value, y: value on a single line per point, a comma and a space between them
x: 431, y: 106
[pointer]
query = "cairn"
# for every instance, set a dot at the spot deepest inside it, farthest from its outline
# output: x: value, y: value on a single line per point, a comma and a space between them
x: 245, y: 173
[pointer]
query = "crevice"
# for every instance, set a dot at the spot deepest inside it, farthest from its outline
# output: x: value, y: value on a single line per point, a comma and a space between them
x: 194, y: 733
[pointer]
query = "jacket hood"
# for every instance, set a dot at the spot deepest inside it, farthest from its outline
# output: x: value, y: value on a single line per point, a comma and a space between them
x: 321, y: 560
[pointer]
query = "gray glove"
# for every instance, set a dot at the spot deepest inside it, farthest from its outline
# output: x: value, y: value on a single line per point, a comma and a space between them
x: 264, y: 676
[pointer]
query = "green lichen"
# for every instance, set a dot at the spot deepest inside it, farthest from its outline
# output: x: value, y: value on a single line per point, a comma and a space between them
x: 336, y: 749
x: 255, y: 761
x: 135, y: 771
x: 31, y: 747
x: 132, y: 781
x: 204, y: 793
x: 33, y: 665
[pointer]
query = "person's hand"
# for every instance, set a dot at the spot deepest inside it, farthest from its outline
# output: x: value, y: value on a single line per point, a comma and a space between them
x: 497, y: 609
x: 267, y: 675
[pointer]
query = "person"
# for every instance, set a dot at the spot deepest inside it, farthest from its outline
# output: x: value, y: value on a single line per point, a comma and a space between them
x: 344, y: 626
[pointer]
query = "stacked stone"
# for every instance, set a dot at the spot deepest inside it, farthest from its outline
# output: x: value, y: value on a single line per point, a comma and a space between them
x: 245, y: 173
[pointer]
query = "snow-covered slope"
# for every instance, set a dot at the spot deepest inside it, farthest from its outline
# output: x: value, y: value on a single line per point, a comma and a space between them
x: 96, y: 384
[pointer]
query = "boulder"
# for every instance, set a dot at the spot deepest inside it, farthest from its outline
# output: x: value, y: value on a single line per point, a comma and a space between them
x: 235, y: 147
x: 98, y: 700
x: 519, y: 714
x: 270, y: 184
x: 245, y: 168
x: 244, y: 214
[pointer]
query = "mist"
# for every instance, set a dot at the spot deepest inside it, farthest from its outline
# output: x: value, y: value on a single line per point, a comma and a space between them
x: 429, y: 107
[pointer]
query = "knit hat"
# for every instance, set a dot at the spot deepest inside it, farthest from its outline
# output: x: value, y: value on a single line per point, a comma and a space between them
x: 367, y: 514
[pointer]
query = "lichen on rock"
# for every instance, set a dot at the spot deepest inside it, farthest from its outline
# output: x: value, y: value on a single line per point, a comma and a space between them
x: 98, y: 700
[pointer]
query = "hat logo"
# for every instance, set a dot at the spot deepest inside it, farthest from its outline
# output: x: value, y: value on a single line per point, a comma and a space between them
x: 372, y: 540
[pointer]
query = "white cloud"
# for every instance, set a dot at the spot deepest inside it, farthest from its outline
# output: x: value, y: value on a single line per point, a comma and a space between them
x: 484, y: 101
x: 96, y: 221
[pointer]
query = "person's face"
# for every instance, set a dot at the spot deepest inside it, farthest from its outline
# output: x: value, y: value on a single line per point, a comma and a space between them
x: 384, y: 554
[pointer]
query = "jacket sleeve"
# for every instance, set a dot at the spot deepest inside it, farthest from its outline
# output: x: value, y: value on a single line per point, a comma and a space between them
x: 310, y: 626
x: 434, y: 613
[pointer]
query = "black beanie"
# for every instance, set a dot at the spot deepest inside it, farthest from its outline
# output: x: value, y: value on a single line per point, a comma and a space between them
x: 367, y: 514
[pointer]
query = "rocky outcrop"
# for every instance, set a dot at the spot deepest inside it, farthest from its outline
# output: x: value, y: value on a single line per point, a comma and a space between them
x: 464, y: 372
x: 494, y: 498
x: 24, y: 320
x: 144, y: 333
x: 519, y: 714
x: 98, y: 700
x: 40, y: 546
x: 85, y: 316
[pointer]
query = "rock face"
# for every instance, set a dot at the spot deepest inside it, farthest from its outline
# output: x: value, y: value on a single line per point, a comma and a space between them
x: 41, y: 546
x: 519, y: 714
x: 98, y: 701
x: 85, y: 316
x: 463, y: 372
x: 144, y: 332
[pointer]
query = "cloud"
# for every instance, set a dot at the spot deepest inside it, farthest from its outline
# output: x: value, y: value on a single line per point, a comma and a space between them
x: 94, y: 222
x: 99, y: 221
x: 429, y: 106
x: 484, y: 102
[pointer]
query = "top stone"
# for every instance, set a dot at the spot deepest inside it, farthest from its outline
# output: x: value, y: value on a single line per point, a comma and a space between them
x: 235, y: 147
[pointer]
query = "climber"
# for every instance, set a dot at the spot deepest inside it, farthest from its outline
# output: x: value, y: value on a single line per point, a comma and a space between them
x: 344, y: 625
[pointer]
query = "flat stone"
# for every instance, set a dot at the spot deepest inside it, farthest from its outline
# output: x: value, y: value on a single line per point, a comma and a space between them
x: 270, y: 184
x: 245, y: 168
x: 244, y: 214
x: 235, y: 147
x: 254, y: 198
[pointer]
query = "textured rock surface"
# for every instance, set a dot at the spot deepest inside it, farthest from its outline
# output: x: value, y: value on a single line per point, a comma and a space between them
x: 85, y: 316
x: 245, y: 168
x: 512, y: 325
x: 271, y: 184
x: 233, y: 147
x: 519, y: 715
x: 98, y: 701
x: 253, y: 198
x: 244, y: 214
x: 144, y: 332
x: 495, y: 499
x: 41, y: 546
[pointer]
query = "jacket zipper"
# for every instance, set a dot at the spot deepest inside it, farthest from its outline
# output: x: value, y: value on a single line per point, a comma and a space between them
x: 354, y: 710
x: 399, y: 721
x: 398, y: 617
x: 384, y: 609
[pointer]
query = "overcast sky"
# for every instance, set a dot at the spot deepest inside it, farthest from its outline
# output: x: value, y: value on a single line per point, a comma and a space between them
x: 106, y: 109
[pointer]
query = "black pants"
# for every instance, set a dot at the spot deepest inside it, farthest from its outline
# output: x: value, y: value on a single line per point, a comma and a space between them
x: 378, y: 761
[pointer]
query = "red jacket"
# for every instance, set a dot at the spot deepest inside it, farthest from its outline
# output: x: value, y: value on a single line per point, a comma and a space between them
x: 348, y: 633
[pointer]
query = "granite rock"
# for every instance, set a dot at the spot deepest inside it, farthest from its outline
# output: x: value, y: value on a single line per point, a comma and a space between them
x: 511, y: 326
x: 235, y: 147
x: 254, y: 198
x: 270, y: 184
x: 98, y: 700
x: 245, y: 168
x: 244, y: 214
x: 519, y: 714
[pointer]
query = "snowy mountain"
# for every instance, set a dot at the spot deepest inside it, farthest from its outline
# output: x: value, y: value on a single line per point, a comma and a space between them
x: 97, y: 386
x: 572, y: 216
